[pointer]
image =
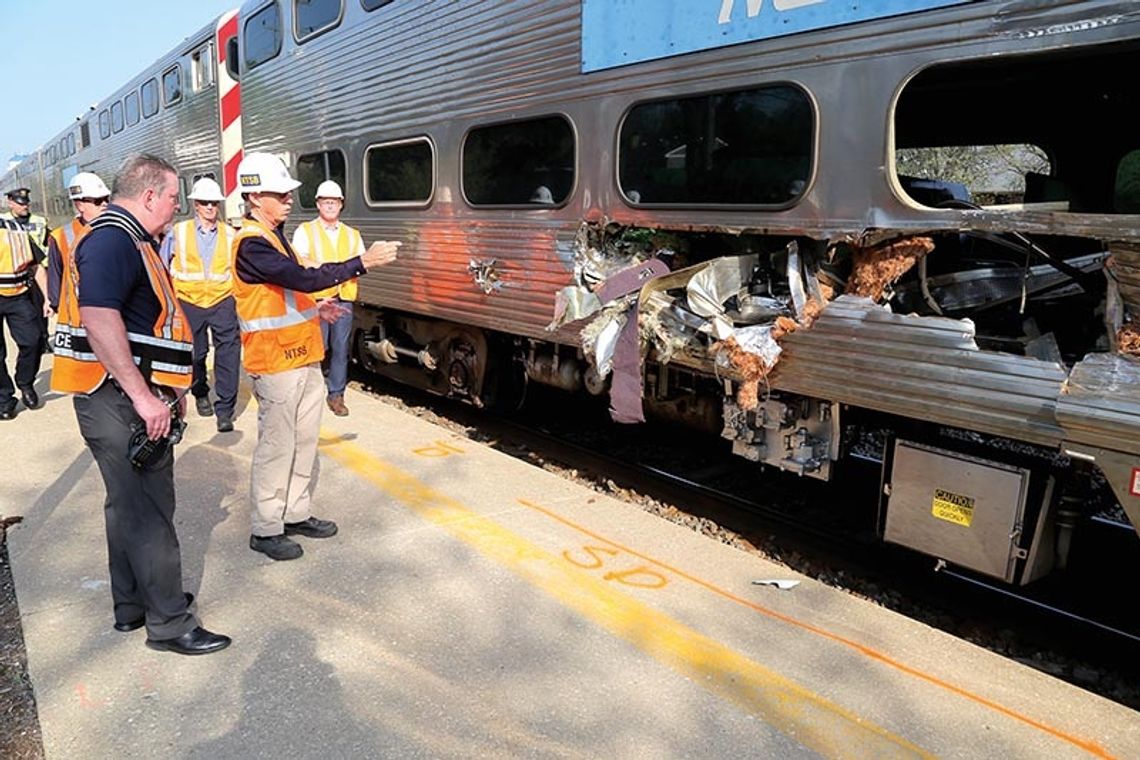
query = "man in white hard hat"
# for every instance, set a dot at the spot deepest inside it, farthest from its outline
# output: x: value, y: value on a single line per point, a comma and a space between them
x: 282, y: 350
x: 89, y: 196
x: 197, y: 251
x: 320, y: 241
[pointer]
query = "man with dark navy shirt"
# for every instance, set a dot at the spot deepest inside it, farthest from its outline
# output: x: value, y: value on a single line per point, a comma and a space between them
x: 123, y: 347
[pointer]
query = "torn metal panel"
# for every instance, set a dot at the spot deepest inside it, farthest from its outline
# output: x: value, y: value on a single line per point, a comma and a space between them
x: 485, y: 275
x: 926, y: 368
x: 1100, y: 404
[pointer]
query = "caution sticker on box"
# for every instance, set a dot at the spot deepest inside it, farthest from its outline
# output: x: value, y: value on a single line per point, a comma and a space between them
x: 953, y: 507
x: 1135, y: 490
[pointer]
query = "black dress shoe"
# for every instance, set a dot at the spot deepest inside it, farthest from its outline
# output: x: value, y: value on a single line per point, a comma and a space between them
x: 225, y: 425
x: 197, y: 641
x: 139, y: 622
x: 31, y: 398
x: 312, y: 527
x: 8, y: 412
x: 276, y: 547
x: 205, y: 408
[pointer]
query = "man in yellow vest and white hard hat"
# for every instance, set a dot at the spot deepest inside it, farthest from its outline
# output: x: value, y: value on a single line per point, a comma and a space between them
x: 321, y: 241
x: 197, y: 251
x: 282, y: 351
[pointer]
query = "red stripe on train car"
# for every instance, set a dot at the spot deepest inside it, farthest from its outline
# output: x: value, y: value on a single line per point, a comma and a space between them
x: 231, y: 106
x: 231, y: 173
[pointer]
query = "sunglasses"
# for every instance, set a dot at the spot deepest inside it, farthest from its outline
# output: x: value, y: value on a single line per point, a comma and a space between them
x: 207, y: 203
x: 95, y: 201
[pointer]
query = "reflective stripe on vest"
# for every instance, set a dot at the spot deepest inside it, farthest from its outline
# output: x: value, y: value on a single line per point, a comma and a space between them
x: 323, y: 251
x: 15, y: 259
x: 280, y: 329
x: 191, y: 282
x: 164, y: 357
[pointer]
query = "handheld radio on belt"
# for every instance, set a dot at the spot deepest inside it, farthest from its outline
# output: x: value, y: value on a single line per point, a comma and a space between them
x: 146, y: 454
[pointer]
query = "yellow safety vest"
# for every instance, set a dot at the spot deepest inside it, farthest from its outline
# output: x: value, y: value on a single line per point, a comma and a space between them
x: 321, y: 250
x: 36, y: 226
x: 16, y: 259
x: 280, y: 329
x: 191, y: 281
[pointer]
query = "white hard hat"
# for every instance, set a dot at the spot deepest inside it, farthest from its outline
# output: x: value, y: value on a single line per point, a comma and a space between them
x: 264, y: 172
x: 87, y: 185
x: 206, y: 189
x: 329, y: 189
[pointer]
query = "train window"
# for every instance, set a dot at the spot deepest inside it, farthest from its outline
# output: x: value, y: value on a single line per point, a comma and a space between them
x: 172, y: 85
x: 131, y: 107
x: 232, y: 58
x: 521, y: 163
x: 84, y: 134
x: 262, y: 36
x: 399, y: 173
x: 117, y: 116
x: 149, y: 92
x: 371, y: 5
x: 202, y: 67
x: 104, y: 124
x: 315, y: 168
x: 71, y: 144
x: 311, y: 17
x: 747, y: 147
x: 983, y: 174
x: 182, y: 202
x: 988, y: 132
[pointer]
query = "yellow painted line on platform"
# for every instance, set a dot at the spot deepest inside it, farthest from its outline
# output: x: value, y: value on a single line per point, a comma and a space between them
x: 874, y: 654
x: 788, y: 707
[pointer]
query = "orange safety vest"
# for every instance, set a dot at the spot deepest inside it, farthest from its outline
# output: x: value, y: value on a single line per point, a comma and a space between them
x: 192, y: 282
x: 67, y: 236
x: 163, y: 356
x: 348, y: 242
x: 280, y: 329
x: 16, y: 259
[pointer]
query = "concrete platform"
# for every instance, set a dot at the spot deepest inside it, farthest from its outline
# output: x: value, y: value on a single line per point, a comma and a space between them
x: 473, y: 605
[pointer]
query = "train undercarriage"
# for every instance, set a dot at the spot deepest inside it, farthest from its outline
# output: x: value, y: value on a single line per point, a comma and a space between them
x: 992, y: 379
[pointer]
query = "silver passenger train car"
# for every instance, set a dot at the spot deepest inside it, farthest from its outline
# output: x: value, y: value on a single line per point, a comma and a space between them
x: 905, y: 232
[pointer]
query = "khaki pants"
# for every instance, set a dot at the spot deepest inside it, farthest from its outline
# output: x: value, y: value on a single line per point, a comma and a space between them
x: 288, y: 425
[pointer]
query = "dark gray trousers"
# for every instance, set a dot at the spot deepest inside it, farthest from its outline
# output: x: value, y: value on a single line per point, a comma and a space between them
x: 142, y: 546
x: 221, y: 322
x: 19, y: 312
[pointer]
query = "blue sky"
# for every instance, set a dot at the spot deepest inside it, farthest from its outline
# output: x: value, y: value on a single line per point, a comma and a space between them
x: 60, y: 56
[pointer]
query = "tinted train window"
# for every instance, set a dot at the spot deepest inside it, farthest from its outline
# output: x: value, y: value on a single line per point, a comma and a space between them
x: 371, y: 5
x: 84, y: 135
x: 131, y: 106
x: 522, y: 163
x: 172, y: 86
x: 262, y: 36
x: 104, y: 124
x: 315, y: 168
x: 71, y: 144
x: 750, y: 147
x: 399, y: 172
x: 116, y: 117
x: 310, y: 17
x: 149, y: 92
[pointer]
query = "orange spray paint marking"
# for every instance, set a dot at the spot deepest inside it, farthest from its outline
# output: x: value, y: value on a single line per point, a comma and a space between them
x: 438, y: 449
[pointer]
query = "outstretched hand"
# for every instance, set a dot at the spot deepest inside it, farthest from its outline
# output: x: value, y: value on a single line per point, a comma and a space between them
x: 329, y: 310
x: 380, y: 253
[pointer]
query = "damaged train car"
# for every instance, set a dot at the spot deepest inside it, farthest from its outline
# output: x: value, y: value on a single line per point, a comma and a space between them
x: 907, y: 232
